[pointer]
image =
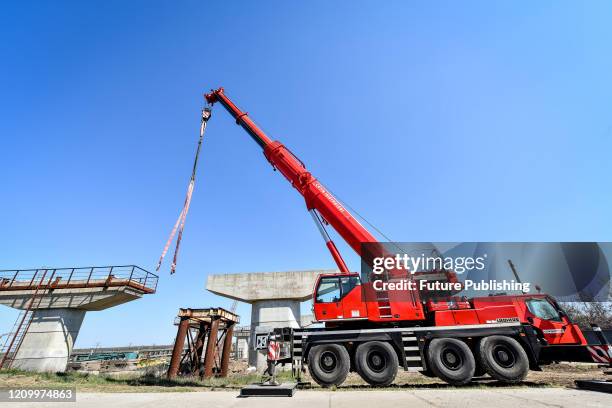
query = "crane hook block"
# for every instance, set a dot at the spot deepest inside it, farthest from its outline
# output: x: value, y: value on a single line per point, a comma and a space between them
x: 206, y: 114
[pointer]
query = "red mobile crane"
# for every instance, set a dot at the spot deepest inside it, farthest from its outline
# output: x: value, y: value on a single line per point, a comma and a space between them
x: 375, y: 331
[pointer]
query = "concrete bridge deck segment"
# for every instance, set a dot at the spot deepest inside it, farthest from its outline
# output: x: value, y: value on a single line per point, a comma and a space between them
x: 86, y: 299
x: 265, y: 286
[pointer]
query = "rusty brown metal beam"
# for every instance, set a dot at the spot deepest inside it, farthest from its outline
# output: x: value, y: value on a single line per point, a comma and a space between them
x: 208, y: 313
x: 199, y: 348
x: 227, y: 348
x: 211, y: 345
x: 177, y: 351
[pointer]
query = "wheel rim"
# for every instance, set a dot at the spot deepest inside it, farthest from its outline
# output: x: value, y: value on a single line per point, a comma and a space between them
x: 504, y: 356
x: 452, y: 358
x: 328, y: 361
x: 376, y: 360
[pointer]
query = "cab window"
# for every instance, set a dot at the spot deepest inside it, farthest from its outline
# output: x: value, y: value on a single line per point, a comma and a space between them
x: 348, y: 284
x: 543, y: 309
x: 328, y: 290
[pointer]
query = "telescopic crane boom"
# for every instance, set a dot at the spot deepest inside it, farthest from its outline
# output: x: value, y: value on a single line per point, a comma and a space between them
x: 360, y: 301
x: 321, y: 204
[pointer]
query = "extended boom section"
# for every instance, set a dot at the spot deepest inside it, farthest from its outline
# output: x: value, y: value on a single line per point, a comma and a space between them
x: 314, y: 193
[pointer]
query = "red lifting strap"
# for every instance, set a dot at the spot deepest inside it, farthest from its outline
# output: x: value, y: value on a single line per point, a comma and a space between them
x: 180, y: 222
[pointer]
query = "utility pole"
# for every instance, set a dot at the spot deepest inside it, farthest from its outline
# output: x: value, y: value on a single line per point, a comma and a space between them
x: 514, y: 271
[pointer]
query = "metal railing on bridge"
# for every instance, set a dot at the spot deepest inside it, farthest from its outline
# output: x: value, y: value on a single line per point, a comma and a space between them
x: 88, y: 277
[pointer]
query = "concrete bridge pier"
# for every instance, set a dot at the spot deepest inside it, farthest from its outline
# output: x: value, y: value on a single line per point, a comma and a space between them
x: 275, y: 298
x: 271, y: 314
x: 49, y: 340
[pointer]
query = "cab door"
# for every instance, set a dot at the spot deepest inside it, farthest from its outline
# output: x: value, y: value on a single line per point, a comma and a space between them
x: 327, y: 305
x: 556, y: 327
x: 353, y: 306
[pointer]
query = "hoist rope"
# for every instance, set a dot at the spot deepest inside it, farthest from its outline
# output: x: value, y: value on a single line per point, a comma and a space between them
x: 365, y: 220
x: 180, y: 222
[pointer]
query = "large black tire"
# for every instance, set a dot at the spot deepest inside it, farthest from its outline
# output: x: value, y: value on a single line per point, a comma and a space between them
x: 376, y: 362
x: 503, y: 358
x: 428, y: 373
x: 479, y: 371
x: 329, y: 364
x: 451, y: 360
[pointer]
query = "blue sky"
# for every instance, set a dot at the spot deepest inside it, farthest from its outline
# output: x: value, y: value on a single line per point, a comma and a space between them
x: 438, y: 121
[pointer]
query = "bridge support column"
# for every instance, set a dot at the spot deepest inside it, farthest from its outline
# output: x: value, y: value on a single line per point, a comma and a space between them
x: 49, y: 340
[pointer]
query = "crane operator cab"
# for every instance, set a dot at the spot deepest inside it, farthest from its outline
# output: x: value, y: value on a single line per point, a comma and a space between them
x: 338, y: 297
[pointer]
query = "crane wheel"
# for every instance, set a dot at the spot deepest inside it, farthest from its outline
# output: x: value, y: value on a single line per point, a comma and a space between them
x: 428, y: 373
x: 479, y: 371
x: 451, y: 360
x: 376, y: 362
x: 503, y: 358
x: 329, y: 364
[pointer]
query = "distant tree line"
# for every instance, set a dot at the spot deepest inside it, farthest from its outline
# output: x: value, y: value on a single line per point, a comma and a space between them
x: 584, y: 314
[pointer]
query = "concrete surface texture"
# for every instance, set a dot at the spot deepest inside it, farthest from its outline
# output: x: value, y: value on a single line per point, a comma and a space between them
x: 252, y: 287
x: 94, y: 298
x: 307, y: 320
x: 275, y: 298
x: 275, y: 313
x: 456, y: 398
x: 49, y: 341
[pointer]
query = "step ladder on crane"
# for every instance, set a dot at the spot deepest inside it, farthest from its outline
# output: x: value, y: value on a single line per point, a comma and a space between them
x: 24, y: 320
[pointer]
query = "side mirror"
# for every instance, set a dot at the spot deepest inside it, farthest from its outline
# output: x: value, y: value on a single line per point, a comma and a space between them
x: 530, y: 319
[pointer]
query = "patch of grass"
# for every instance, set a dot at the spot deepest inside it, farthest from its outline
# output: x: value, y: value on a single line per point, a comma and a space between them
x: 552, y: 376
x: 126, y: 382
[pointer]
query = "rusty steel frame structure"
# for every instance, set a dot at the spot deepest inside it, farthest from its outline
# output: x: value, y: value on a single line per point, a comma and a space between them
x: 209, y: 342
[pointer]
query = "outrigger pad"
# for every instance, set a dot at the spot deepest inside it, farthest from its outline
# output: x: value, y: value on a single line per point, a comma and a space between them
x: 595, y: 385
x: 260, y: 390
